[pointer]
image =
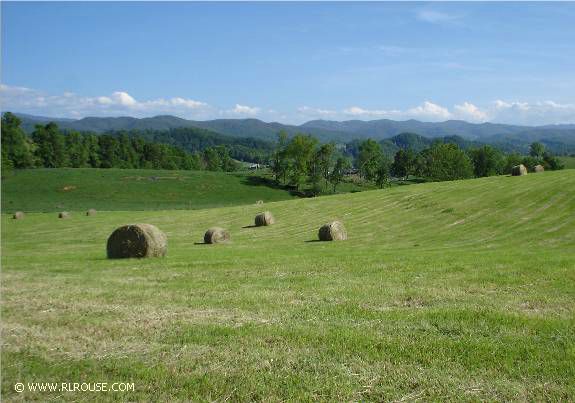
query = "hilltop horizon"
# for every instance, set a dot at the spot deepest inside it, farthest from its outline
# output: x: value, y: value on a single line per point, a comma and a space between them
x: 366, y: 120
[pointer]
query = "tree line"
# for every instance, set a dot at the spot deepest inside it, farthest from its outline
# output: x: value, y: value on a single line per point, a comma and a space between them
x: 302, y: 160
x: 48, y: 147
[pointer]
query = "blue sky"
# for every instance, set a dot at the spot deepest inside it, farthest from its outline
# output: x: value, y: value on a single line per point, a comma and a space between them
x: 292, y: 62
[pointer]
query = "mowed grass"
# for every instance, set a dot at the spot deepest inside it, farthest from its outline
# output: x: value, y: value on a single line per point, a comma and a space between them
x: 444, y: 291
x: 44, y: 190
x: 568, y: 162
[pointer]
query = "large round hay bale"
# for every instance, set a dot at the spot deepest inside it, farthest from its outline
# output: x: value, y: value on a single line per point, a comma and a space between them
x: 332, y: 231
x: 265, y: 218
x: 91, y: 212
x: 259, y: 202
x: 216, y: 235
x: 137, y: 240
x: 519, y: 170
x: 64, y: 214
x: 538, y: 168
x: 18, y: 215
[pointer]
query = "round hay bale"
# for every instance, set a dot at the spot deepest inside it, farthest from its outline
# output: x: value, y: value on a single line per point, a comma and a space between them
x: 64, y: 214
x: 91, y: 212
x: 265, y: 218
x: 332, y: 231
x: 216, y: 235
x: 259, y: 202
x: 538, y: 168
x: 18, y: 215
x: 137, y: 240
x: 519, y: 170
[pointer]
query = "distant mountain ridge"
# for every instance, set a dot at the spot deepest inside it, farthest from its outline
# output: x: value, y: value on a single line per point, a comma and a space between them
x: 560, y: 138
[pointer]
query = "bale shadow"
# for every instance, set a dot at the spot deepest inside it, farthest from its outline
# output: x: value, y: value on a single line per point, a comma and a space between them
x: 312, y: 240
x: 250, y: 226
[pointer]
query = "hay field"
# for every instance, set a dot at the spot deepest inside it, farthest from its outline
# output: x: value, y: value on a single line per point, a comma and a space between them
x: 44, y: 190
x: 444, y: 291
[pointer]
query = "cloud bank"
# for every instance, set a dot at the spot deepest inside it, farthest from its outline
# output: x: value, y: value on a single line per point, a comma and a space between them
x: 498, y: 111
x: 68, y: 104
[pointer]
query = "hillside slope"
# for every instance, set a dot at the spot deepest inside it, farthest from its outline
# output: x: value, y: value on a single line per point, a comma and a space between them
x: 75, y: 189
x: 444, y: 292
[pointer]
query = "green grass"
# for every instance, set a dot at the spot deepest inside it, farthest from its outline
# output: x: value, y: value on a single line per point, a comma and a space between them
x: 444, y: 291
x: 569, y: 162
x: 44, y: 190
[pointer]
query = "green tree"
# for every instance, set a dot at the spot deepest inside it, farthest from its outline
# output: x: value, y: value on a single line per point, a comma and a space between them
x: 369, y: 159
x: 445, y: 161
x: 92, y: 147
x: 77, y: 150
x: 16, y: 149
x: 487, y: 161
x: 127, y: 155
x: 536, y: 150
x: 403, y: 163
x: 510, y: 161
x: 109, y: 151
x: 324, y: 158
x: 300, y: 151
x: 212, y: 160
x: 338, y: 173
x: 382, y: 174
x: 50, y: 146
x: 551, y: 162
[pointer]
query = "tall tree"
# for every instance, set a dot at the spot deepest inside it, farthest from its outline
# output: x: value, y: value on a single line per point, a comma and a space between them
x: 444, y: 162
x: 300, y: 150
x: 77, y: 150
x: 382, y: 174
x: 50, y: 146
x: 536, y: 150
x: 338, y: 173
x: 324, y: 158
x: 92, y: 147
x: 403, y: 163
x: 487, y: 161
x: 369, y: 159
x: 16, y: 149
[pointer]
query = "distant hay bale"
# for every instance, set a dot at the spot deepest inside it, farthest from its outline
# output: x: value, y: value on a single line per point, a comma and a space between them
x: 216, y: 235
x: 64, y: 214
x: 538, y: 168
x: 91, y: 212
x: 137, y: 240
x: 259, y: 202
x: 18, y: 215
x: 519, y: 170
x: 265, y: 218
x: 333, y: 231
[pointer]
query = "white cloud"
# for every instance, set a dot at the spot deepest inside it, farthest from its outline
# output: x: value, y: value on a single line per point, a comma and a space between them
x: 245, y: 110
x: 23, y: 99
x: 468, y: 111
x: 426, y: 111
x: 429, y: 110
x: 532, y: 113
x: 436, y: 17
x: 537, y: 113
x: 68, y: 104
x: 308, y: 111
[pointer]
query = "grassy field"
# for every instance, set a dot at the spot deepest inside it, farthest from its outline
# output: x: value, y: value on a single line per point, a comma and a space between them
x: 44, y: 190
x: 569, y: 162
x: 444, y: 291
x: 50, y: 190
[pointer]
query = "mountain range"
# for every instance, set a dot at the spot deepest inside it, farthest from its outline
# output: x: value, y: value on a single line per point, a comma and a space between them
x: 559, y: 138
